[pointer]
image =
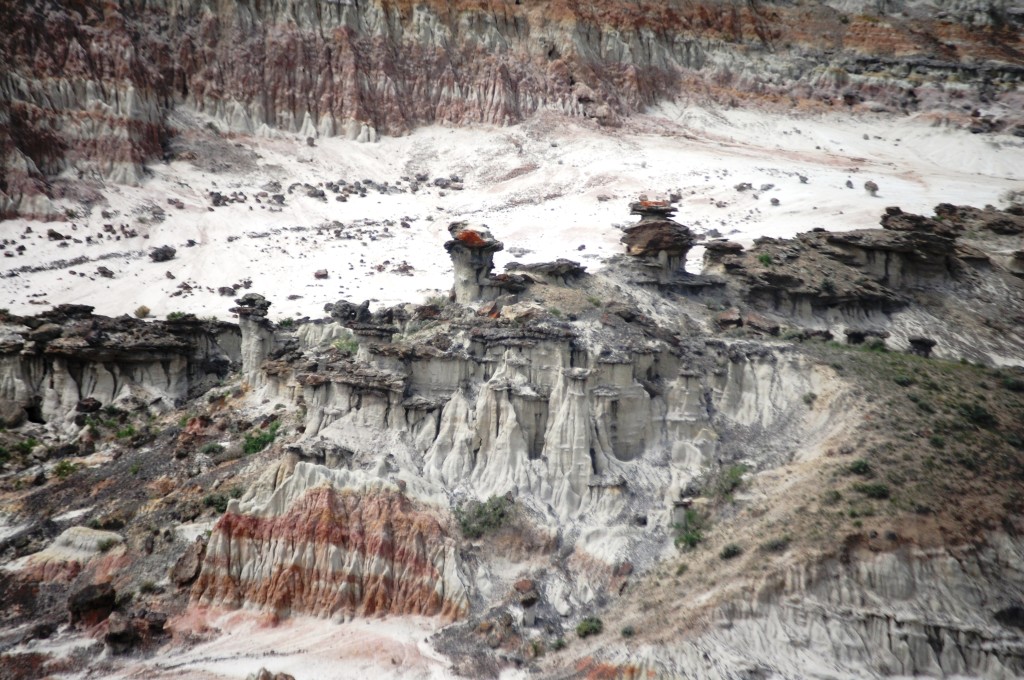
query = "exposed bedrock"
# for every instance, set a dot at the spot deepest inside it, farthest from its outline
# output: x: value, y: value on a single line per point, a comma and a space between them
x: 947, y: 280
x: 95, y: 100
x: 68, y: 362
x: 535, y: 410
x: 657, y: 240
x: 331, y: 543
x: 903, y: 612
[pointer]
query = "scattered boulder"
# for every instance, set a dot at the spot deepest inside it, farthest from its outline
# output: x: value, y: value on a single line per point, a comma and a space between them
x: 760, y: 323
x: 320, y: 274
x: 162, y: 253
x: 92, y: 603
x: 921, y: 346
x: 121, y: 635
x: 12, y: 414
x: 871, y: 188
x: 88, y: 405
x: 104, y: 272
x: 186, y: 569
x: 264, y: 674
x: 730, y: 318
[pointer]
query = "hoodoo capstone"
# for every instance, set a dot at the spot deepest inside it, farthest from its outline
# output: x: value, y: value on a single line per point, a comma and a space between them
x: 661, y: 242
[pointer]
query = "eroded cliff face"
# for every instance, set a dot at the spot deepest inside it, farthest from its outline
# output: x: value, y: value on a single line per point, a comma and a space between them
x: 61, y: 366
x: 90, y: 85
x: 899, y: 611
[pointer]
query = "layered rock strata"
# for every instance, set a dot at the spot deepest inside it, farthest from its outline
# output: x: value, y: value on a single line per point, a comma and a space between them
x: 96, y: 100
x: 904, y: 282
x: 332, y: 544
x: 68, y: 362
x: 657, y: 240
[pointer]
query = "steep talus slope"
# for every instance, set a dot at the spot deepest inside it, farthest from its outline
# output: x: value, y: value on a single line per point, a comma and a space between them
x: 96, y: 99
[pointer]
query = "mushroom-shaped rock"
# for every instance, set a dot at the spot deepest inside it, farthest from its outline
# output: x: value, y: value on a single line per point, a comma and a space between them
x: 251, y: 305
x: 472, y: 251
x: 658, y: 239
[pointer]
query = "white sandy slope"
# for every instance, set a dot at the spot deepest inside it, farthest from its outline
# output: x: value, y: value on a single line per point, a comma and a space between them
x: 234, y: 645
x: 536, y: 185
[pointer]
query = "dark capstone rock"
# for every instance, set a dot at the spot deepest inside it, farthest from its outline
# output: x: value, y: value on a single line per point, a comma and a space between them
x: 121, y: 635
x: 226, y: 291
x: 45, y: 333
x: 1011, y: 616
x: 921, y: 346
x: 320, y: 274
x: 856, y: 336
x: 92, y: 603
x: 104, y: 272
x: 760, y: 323
x: 162, y: 253
x: 251, y: 305
x: 730, y: 318
x: 343, y: 310
x: 88, y: 405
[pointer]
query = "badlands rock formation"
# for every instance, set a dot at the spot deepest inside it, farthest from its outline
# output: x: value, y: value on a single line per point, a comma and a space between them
x: 91, y: 88
x: 62, y: 365
x: 692, y: 460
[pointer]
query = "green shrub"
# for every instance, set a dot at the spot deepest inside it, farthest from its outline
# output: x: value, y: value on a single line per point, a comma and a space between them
x: 177, y: 316
x: 25, y: 446
x: 937, y: 441
x: 682, y: 569
x: 828, y: 287
x: 476, y: 518
x: 860, y: 467
x: 978, y: 414
x: 730, y: 480
x: 903, y: 380
x: 559, y: 644
x: 106, y: 544
x: 690, y: 532
x: 776, y: 545
x: 64, y: 469
x: 256, y: 442
x: 730, y: 551
x: 810, y: 398
x: 875, y: 490
x: 125, y: 432
x: 348, y: 345
x: 628, y: 632
x: 147, y: 587
x: 875, y: 345
x: 1013, y: 384
x: 831, y: 497
x: 589, y: 626
x: 286, y: 323
x: 236, y: 491
x: 135, y: 467
x: 765, y: 259
x: 212, y: 449
x: 217, y: 501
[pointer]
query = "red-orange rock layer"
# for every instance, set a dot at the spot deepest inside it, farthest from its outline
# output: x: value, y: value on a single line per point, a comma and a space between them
x: 334, y: 553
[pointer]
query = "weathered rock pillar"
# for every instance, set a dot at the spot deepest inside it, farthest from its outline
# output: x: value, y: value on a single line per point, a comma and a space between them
x: 659, y: 240
x: 472, y: 251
